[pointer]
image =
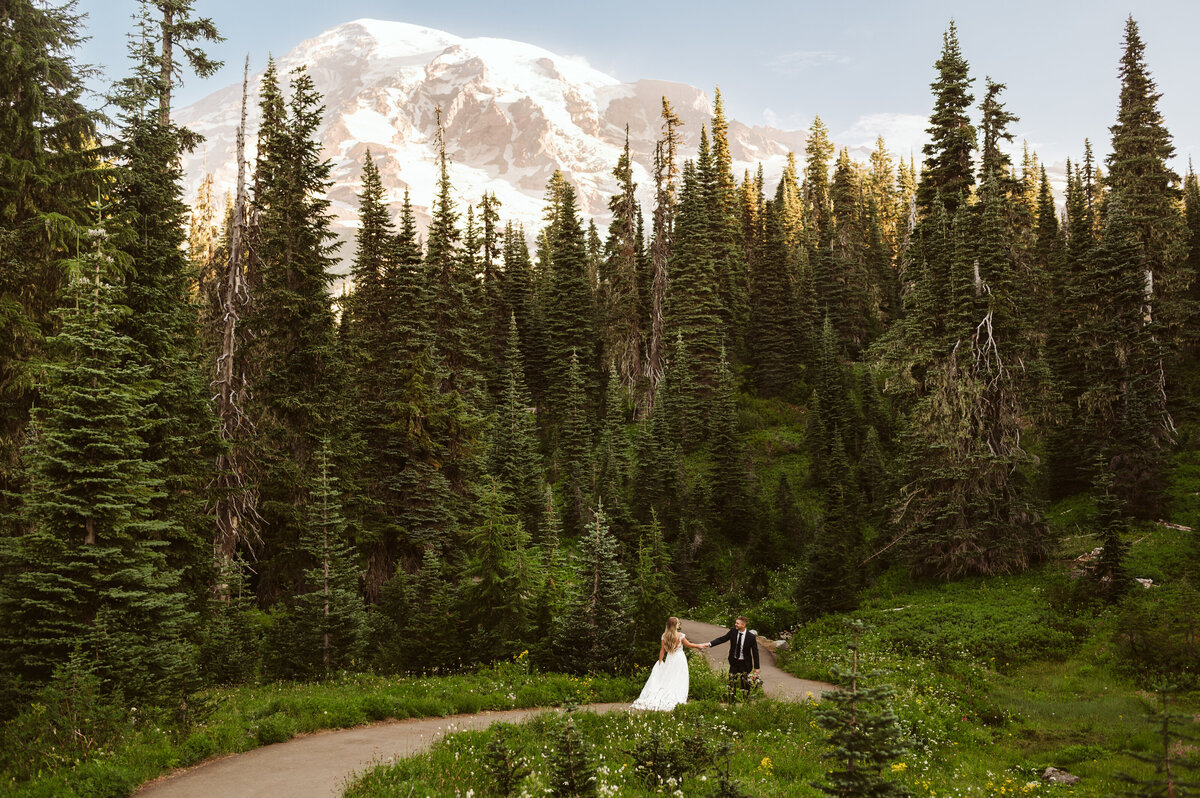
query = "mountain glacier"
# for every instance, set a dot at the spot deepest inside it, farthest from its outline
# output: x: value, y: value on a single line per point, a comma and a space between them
x: 512, y: 114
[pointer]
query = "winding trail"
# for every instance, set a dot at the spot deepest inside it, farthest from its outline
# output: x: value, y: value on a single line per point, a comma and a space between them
x: 318, y: 765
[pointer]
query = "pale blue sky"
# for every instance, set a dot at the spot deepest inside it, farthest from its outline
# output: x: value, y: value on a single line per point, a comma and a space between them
x: 865, y: 67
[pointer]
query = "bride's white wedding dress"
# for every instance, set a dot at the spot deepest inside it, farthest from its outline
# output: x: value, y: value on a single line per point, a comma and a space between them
x: 667, y: 686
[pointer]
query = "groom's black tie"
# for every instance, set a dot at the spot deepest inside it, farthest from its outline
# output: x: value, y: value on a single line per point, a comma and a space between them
x: 739, y: 651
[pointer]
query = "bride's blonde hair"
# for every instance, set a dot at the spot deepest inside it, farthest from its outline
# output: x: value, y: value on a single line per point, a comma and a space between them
x: 671, y: 634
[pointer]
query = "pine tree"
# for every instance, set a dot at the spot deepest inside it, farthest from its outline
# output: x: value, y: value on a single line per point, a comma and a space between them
x: 574, y: 462
x: 369, y: 346
x: 594, y: 632
x: 455, y: 317
x: 569, y: 306
x: 515, y: 458
x: 947, y: 171
x: 654, y: 597
x: 693, y: 309
x: 620, y: 278
x: 322, y: 628
x: 89, y: 569
x: 150, y: 223
x: 290, y: 328
x: 612, y: 460
x: 498, y: 606
x: 50, y: 175
x: 728, y: 247
x: 864, y: 734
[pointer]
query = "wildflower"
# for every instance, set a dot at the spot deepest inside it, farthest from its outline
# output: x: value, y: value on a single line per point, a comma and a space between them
x: 765, y: 765
x: 899, y: 767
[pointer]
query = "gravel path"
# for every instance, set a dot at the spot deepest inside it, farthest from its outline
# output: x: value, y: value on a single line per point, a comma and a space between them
x: 318, y: 765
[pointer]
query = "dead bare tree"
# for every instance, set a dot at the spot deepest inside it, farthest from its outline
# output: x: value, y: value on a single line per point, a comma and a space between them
x: 236, y: 500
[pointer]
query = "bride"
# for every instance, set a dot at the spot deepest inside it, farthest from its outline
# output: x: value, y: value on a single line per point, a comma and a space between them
x: 668, y: 682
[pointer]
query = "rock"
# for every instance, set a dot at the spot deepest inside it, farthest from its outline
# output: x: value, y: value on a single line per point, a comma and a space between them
x: 1056, y: 776
x: 1144, y: 582
x: 781, y: 645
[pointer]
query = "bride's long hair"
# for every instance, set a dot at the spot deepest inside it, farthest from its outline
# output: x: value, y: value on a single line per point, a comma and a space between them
x: 671, y: 635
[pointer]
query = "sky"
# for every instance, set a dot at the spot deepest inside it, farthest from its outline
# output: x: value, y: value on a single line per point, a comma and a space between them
x: 863, y: 67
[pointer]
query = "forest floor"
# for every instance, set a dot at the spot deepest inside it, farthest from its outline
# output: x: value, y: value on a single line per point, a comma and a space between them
x: 320, y: 764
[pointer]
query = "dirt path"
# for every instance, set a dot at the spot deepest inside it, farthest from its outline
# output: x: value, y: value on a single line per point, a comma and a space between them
x: 318, y: 765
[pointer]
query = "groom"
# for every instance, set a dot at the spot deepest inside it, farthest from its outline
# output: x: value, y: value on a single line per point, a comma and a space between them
x: 743, y: 651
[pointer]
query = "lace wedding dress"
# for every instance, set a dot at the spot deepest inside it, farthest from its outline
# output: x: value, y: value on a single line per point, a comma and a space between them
x: 668, y: 683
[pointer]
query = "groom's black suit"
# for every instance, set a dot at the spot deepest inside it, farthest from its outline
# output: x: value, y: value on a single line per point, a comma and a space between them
x: 749, y: 652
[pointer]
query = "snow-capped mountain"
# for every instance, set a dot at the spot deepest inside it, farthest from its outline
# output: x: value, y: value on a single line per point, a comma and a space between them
x: 512, y: 114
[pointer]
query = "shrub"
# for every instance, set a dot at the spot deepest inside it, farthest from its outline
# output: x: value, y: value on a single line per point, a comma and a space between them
x: 276, y: 728
x: 1156, y: 634
x: 103, y: 780
x: 66, y: 723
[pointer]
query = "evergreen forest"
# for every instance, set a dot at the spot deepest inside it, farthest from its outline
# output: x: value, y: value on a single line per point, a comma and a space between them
x: 535, y: 444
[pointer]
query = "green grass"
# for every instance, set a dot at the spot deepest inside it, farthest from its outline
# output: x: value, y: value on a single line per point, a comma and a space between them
x: 996, y: 679
x: 242, y: 718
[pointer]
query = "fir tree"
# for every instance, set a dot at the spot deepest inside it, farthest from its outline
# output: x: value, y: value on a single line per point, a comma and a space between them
x: 1119, y: 360
x: 994, y: 163
x: 654, y: 597
x: 50, y: 175
x: 572, y: 773
x: 776, y: 356
x: 620, y: 278
x: 948, y: 171
x: 666, y: 175
x: 1171, y: 767
x: 728, y: 247
x: 369, y: 346
x: 612, y: 460
x: 150, y: 223
x: 321, y: 629
x: 569, y: 307
x: 498, y: 607
x: 864, y: 734
x: 515, y: 458
x: 88, y: 569
x: 1111, y: 578
x: 454, y: 312
x: 1138, y: 169
x: 574, y: 449
x: 595, y: 629
x: 290, y: 329
x: 693, y: 309
x: 729, y: 474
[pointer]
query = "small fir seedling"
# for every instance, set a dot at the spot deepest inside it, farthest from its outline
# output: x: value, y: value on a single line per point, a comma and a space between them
x: 863, y: 732
x: 571, y: 770
x: 504, y: 765
x: 1171, y: 766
